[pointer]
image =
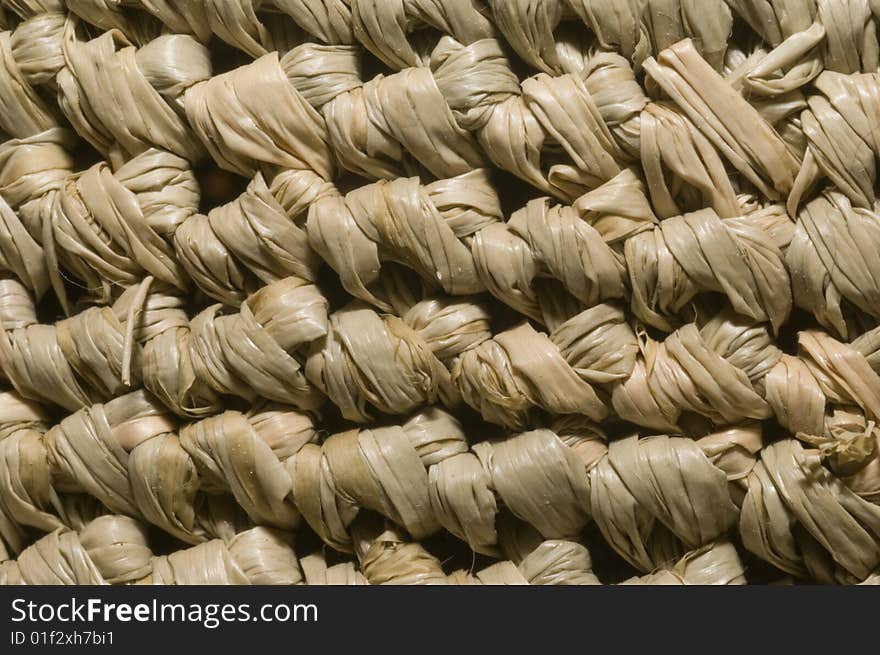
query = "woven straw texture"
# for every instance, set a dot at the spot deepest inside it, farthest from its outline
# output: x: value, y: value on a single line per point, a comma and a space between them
x: 439, y: 291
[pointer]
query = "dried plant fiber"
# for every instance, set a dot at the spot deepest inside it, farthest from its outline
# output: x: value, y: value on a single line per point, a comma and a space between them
x: 439, y: 292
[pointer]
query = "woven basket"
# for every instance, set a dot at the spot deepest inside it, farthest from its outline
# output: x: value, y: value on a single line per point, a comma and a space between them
x: 468, y: 292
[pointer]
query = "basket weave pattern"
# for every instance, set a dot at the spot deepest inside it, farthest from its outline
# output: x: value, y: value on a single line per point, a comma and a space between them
x: 439, y: 291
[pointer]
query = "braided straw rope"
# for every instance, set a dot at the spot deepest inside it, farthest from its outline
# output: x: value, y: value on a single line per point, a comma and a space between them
x: 439, y: 292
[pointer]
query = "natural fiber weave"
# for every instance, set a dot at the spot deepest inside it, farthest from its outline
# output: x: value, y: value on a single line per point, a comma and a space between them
x: 439, y: 291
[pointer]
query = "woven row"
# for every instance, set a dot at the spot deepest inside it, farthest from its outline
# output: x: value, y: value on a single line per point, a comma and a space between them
x: 411, y: 279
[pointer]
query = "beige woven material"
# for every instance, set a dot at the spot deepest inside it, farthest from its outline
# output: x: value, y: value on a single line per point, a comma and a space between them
x: 439, y: 292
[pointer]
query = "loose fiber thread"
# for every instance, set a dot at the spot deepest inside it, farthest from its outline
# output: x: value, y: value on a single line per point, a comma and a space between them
x: 462, y: 290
